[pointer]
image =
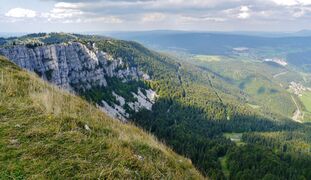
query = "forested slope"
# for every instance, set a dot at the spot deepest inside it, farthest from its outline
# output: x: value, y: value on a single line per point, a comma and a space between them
x: 192, y: 113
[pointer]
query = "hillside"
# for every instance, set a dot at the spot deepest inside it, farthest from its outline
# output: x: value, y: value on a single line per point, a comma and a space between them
x: 196, y: 108
x: 246, y: 66
x: 49, y: 133
x: 193, y: 108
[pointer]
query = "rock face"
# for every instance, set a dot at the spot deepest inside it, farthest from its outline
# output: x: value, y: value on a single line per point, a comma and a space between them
x: 78, y: 67
x: 70, y: 65
x: 145, y: 101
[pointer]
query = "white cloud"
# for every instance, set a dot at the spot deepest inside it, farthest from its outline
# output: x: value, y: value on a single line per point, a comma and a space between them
x: 244, y: 8
x: 292, y: 2
x: 177, y: 4
x: 153, y: 17
x: 285, y: 2
x: 72, y: 13
x: 104, y: 19
x: 300, y: 12
x: 67, y: 5
x: 244, y: 12
x: 21, y: 13
x: 189, y: 19
x: 243, y: 15
x: 65, y: 11
x: 62, y: 13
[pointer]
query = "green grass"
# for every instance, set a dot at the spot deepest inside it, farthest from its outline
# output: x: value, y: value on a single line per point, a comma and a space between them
x: 235, y: 137
x: 307, y: 116
x: 44, y: 136
x: 206, y: 58
x: 306, y: 100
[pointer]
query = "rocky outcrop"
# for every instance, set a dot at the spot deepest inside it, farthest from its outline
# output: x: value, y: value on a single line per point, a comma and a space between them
x: 78, y: 67
x: 144, y: 101
x: 71, y: 65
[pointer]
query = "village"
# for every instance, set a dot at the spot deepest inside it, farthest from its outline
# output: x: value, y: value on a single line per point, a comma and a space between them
x: 298, y: 89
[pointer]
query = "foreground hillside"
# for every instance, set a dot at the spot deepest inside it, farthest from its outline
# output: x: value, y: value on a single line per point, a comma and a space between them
x: 46, y: 132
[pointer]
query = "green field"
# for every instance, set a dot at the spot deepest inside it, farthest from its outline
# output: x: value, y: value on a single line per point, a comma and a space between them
x: 306, y: 100
x: 235, y: 137
x: 206, y: 58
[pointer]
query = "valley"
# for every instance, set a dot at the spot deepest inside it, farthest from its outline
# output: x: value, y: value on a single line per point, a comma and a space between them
x: 216, y: 110
x: 255, y: 79
x: 262, y: 72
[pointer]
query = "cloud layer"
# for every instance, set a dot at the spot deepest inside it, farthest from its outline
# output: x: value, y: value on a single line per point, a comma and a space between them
x: 21, y: 13
x: 175, y: 14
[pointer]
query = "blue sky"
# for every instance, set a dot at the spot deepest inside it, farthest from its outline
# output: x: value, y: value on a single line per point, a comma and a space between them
x: 133, y: 15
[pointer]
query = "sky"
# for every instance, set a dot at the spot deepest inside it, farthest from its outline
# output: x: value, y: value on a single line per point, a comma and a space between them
x: 139, y: 15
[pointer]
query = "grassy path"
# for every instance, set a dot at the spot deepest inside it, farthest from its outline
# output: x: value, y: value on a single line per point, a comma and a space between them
x: 298, y: 115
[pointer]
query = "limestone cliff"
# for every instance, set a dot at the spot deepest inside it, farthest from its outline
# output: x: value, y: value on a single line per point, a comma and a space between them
x: 70, y: 65
x: 79, y: 67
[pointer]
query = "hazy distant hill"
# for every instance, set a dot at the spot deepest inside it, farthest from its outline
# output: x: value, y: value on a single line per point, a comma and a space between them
x: 211, y: 43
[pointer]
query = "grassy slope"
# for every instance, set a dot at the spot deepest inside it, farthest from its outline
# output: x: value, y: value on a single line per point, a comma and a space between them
x: 43, y: 135
x: 306, y: 100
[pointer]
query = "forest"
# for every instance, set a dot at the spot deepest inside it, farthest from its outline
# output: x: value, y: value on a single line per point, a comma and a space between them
x: 191, y: 116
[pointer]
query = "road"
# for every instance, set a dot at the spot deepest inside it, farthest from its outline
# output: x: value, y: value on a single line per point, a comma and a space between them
x: 279, y: 74
x: 298, y: 114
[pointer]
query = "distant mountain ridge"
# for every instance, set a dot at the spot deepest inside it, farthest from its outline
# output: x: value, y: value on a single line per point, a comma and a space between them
x: 214, y: 42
